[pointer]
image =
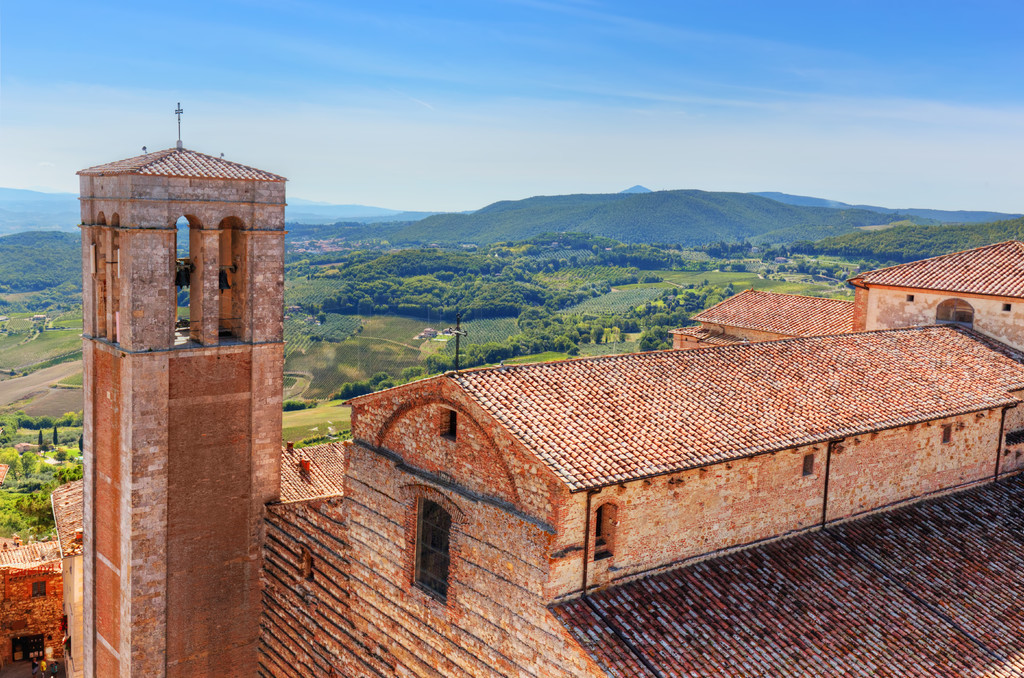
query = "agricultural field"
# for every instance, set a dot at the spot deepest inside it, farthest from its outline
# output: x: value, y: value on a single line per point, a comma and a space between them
x: 547, y: 357
x: 617, y: 301
x: 790, y: 284
x: 330, y: 418
x: 484, y: 331
x: 22, y: 351
x: 332, y: 364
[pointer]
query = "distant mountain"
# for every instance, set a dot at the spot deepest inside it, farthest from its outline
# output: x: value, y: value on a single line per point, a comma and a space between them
x: 22, y: 210
x: 301, y: 211
x: 944, y: 216
x: 686, y: 217
x: 637, y: 189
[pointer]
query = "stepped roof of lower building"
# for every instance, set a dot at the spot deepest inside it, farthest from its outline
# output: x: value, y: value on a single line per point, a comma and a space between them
x: 606, y: 420
x: 315, y: 471
x: 30, y: 555
x: 68, y: 503
x: 791, y: 315
x: 931, y: 589
x: 708, y: 337
x: 996, y: 270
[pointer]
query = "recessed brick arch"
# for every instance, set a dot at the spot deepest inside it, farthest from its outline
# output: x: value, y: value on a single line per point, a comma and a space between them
x: 466, y: 419
x: 413, y: 492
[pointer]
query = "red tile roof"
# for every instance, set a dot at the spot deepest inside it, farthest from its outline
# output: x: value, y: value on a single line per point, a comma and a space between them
x: 181, y: 163
x: 599, y: 421
x: 3, y: 472
x: 791, y: 315
x: 994, y: 270
x: 68, y: 503
x: 30, y: 555
x: 707, y: 337
x: 325, y: 477
x: 928, y: 590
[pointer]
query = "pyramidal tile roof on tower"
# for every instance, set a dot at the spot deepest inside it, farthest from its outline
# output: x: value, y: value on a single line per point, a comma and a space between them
x: 600, y: 421
x: 996, y: 270
x: 789, y: 314
x: 184, y: 163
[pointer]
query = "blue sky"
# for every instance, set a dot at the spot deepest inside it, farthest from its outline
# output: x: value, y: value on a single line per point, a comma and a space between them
x: 452, y: 105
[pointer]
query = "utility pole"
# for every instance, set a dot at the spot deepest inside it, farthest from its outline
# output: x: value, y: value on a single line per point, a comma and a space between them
x: 459, y: 333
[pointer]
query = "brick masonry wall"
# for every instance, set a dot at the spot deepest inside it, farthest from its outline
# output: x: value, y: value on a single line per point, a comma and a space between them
x: 22, y: 615
x: 876, y: 470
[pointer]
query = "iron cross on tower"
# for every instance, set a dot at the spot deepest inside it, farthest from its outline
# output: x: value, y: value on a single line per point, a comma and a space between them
x: 178, y: 111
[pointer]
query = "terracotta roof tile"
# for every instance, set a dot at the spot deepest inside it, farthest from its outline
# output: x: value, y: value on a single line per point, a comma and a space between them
x: 325, y: 477
x: 993, y: 269
x: 791, y: 315
x: 3, y: 473
x: 173, y: 162
x: 68, y: 503
x: 598, y: 421
x: 927, y: 590
x: 30, y: 555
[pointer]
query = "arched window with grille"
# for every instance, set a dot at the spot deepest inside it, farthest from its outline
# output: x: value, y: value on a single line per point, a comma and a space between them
x: 955, y: 311
x: 433, y: 532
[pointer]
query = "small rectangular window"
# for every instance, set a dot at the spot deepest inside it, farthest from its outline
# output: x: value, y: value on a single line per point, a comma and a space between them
x: 1007, y: 307
x: 449, y: 424
x: 947, y: 433
x: 809, y: 465
x: 910, y: 297
x: 38, y: 589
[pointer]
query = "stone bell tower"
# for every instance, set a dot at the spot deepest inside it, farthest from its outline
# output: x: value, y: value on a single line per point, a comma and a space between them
x: 182, y: 417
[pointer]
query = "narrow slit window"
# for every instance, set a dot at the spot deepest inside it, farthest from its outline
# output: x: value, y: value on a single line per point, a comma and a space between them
x: 947, y: 433
x: 604, y: 523
x: 809, y: 465
x: 450, y: 424
x: 307, y: 564
x: 433, y: 534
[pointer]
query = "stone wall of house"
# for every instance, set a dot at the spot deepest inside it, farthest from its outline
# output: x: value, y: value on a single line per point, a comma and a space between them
x: 744, y: 333
x: 22, y: 614
x: 664, y: 521
x: 889, y: 307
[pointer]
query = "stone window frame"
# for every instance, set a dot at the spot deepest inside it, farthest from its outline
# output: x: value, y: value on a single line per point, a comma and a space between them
x: 808, y: 469
x: 449, y: 424
x: 412, y: 495
x: 41, y: 591
x: 947, y: 434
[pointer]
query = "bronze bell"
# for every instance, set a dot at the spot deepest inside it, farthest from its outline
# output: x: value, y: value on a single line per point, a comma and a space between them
x: 182, y: 276
x: 222, y: 280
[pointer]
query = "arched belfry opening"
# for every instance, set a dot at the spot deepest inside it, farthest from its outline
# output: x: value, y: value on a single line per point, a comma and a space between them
x: 231, y: 277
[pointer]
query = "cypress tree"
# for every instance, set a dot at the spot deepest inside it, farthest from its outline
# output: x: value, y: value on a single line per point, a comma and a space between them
x: 55, y: 435
x: 40, y: 438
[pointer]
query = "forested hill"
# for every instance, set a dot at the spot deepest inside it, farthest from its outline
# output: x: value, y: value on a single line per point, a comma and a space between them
x: 944, y: 216
x: 909, y: 242
x: 39, y: 260
x: 686, y: 217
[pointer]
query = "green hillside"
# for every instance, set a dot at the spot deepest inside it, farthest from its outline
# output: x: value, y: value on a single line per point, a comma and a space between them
x: 38, y: 260
x: 689, y: 218
x: 909, y: 242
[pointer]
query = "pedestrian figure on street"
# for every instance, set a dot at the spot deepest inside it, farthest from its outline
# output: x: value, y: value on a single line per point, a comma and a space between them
x: 35, y: 668
x: 53, y: 668
x: 42, y: 667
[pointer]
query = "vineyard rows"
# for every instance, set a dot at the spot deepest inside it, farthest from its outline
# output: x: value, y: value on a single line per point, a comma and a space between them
x: 618, y: 302
x: 484, y: 331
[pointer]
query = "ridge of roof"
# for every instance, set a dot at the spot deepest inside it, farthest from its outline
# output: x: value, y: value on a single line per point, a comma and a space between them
x: 181, y: 162
x: 781, y: 313
x: 607, y: 419
x: 995, y: 270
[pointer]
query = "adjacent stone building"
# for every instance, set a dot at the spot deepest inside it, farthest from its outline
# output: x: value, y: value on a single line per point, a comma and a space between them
x: 68, y: 505
x: 31, y: 613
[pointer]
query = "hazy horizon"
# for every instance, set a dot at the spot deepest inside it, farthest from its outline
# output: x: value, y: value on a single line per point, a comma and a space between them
x: 455, y: 106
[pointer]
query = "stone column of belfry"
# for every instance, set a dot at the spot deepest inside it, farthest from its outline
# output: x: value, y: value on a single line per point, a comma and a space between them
x: 182, y: 430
